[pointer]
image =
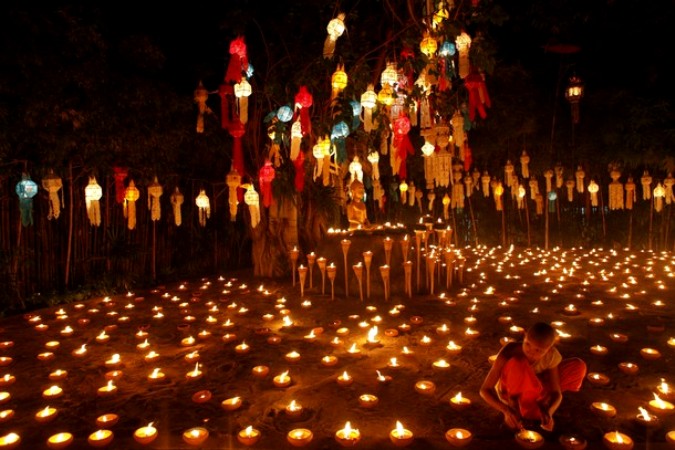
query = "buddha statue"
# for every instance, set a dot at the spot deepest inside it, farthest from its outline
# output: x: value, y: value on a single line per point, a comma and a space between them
x: 356, y: 209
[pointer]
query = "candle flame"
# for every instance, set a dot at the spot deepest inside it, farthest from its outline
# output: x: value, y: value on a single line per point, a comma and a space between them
x: 248, y: 431
x: 644, y: 414
x: 372, y: 334
x: 618, y: 437
x: 399, y: 428
x: 458, y: 398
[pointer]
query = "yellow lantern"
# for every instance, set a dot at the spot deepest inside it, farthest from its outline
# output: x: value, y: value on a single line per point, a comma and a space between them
x: 53, y: 184
x: 463, y: 44
x: 446, y: 206
x: 296, y: 139
x: 429, y: 45
x: 92, y: 194
x: 368, y: 102
x: 403, y: 188
x: 177, y: 200
x: 497, y: 192
x: 441, y: 14
x: 242, y: 91
x: 201, y: 95
x: 593, y: 189
x: 252, y: 199
x: 155, y: 191
x: 204, y: 205
x: 335, y: 29
x: 386, y: 95
x: 131, y: 194
x: 659, y: 195
x: 233, y: 181
x: 339, y: 81
x: 389, y: 75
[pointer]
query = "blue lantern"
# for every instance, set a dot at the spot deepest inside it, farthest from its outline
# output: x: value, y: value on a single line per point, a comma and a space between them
x: 249, y: 71
x: 337, y: 137
x: 285, y: 114
x: 26, y: 189
x: 356, y: 109
x: 552, y: 197
x: 447, y: 49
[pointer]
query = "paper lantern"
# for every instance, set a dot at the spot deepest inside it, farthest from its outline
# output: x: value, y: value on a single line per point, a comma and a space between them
x: 356, y: 112
x: 339, y: 81
x: 402, y: 145
x: 457, y: 191
x: 120, y: 174
x: 92, y: 194
x: 441, y: 13
x: 368, y: 102
x: 303, y: 101
x: 646, y: 182
x: 668, y: 184
x: 131, y: 194
x: 559, y: 179
x: 238, y: 61
x: 659, y: 195
x: 177, y: 200
x: 508, y: 173
x: 593, y: 189
x: 478, y: 94
x: 386, y: 96
x: 497, y: 192
x: 242, y: 91
x: 204, y: 207
x: 447, y: 50
x: 569, y: 185
x: 53, y: 184
x: 155, y: 191
x: 548, y: 175
x: 335, y: 29
x: 552, y: 197
x: 201, y: 95
x: 389, y: 75
x: 233, y: 181
x: 252, y: 199
x: 374, y: 159
x: 296, y: 139
x: 26, y: 189
x: 285, y: 114
x: 458, y: 133
x: 631, y: 195
x: 463, y: 43
x: 338, y: 135
x: 580, y: 175
x: 615, y: 191
x: 266, y: 176
x: 573, y: 94
x: 428, y: 45
x: 403, y: 190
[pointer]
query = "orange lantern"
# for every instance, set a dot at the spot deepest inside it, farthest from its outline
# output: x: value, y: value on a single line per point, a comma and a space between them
x: 155, y: 191
x: 201, y: 95
x: 131, y: 194
x: 53, y: 184
x: 177, y: 200
x: 339, y: 81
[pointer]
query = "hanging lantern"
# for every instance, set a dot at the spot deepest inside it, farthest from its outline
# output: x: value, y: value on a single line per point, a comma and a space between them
x: 120, y: 174
x: 201, y: 95
x: 457, y: 191
x: 335, y: 29
x: 485, y: 183
x: 458, y: 133
x: 53, y: 184
x: 552, y: 197
x: 521, y: 196
x: 431, y: 197
x: 177, y: 200
x: 285, y: 114
x: 337, y: 138
x: 389, y: 75
x: 92, y: 194
x: 317, y: 152
x: 569, y: 185
x: 403, y: 191
x: 441, y: 14
x: 386, y: 96
x: 356, y: 113
x: 593, y: 189
x: 242, y: 91
x: 548, y: 175
x: 646, y: 182
x: 265, y: 176
x: 155, y: 191
x: 539, y: 204
x: 252, y: 199
x: 26, y: 189
x: 303, y: 101
x: 428, y: 149
x: 429, y: 45
x: 299, y: 179
x: 558, y: 171
x: 659, y: 195
x: 238, y: 61
x: 339, y: 81
x: 524, y: 164
x: 478, y: 94
x: 615, y: 191
x: 631, y: 195
x: 355, y: 170
x: 374, y: 159
x: 573, y: 94
x: 131, y: 194
x: 469, y: 185
x: 204, y: 207
x: 534, y: 188
x: 498, y: 192
x: 368, y: 102
x: 668, y: 184
x: 446, y: 206
x: 463, y: 43
x: 233, y: 180
x: 447, y: 50
x: 402, y: 145
x: 580, y: 175
x: 296, y: 139
x: 508, y: 173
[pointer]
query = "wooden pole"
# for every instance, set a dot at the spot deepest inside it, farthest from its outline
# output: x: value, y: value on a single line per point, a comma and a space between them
x: 71, y: 212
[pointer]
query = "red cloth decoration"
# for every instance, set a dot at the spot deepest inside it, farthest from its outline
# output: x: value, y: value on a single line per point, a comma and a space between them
x: 225, y: 91
x: 265, y: 176
x: 120, y: 173
x: 402, y: 142
x: 478, y: 95
x: 443, y: 82
x: 299, y: 179
x: 237, y: 130
x: 304, y: 99
x: 468, y: 157
x: 238, y: 62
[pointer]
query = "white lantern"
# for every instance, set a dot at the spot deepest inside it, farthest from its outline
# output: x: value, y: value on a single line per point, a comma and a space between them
x: 242, y: 91
x: 252, y: 199
x: 335, y: 29
x: 92, y: 194
x: 204, y: 205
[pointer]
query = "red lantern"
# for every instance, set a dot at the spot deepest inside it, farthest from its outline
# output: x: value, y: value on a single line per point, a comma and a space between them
x: 299, y: 164
x: 225, y: 92
x: 303, y: 100
x: 478, y: 95
x: 238, y: 62
x: 120, y: 173
x: 266, y: 176
x: 402, y: 145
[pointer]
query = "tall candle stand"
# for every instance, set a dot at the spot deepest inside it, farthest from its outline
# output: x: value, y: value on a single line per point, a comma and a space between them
x: 311, y: 259
x: 358, y: 272
x: 367, y: 260
x: 384, y: 273
x: 346, y: 243
x: 321, y: 262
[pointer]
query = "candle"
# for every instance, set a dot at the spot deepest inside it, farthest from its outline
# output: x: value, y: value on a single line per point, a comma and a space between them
x: 260, y: 371
x: 100, y: 438
x: 7, y: 380
x: 106, y: 390
x: 646, y: 419
x: 5, y: 360
x: 599, y: 350
x: 6, y: 414
x: 52, y: 392
x: 282, y: 380
x: 459, y: 402
x: 248, y: 436
x: 650, y: 353
x: 660, y: 406
x: 195, y: 436
x: 292, y: 356
x: 400, y: 436
x: 618, y: 337
x: 458, y: 437
x: 368, y: 401
x: 354, y: 350
x: 146, y: 434
x: 299, y: 437
x: 329, y: 360
x: 242, y: 348
x: 665, y: 390
x: 102, y: 338
x: 192, y: 357
x: 670, y: 437
x: 201, y: 396
x: 46, y: 356
x: 617, y: 441
x: 383, y: 379
x: 294, y: 409
x: 45, y: 415
x: 603, y: 409
x: 571, y: 310
x: 440, y: 364
x: 58, y: 374
x: 345, y: 379
x: 194, y: 374
x: 231, y: 404
x: 347, y: 436
x: 629, y: 368
x: 10, y: 440
x: 597, y: 379
x: 571, y: 442
x: 453, y: 349
x: 113, y: 375
x: 114, y: 361
x: 107, y: 420
x: 60, y: 440
x: 529, y: 439
x: 425, y: 387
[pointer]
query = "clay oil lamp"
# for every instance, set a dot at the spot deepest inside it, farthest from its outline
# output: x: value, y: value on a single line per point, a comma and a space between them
x: 529, y: 439
x: 310, y: 337
x: 195, y: 436
x: 425, y: 387
x: 597, y: 379
x: 292, y: 356
x: 571, y: 310
x: 242, y: 348
x: 646, y: 419
x: 617, y: 441
x: 52, y: 392
x: 344, y: 379
x: 188, y: 341
x: 282, y: 380
x: 67, y: 331
x: 107, y: 390
x: 294, y: 409
x: 260, y: 371
x: 102, y: 338
x: 572, y: 442
x: 114, y: 361
x: 248, y: 436
x: 665, y: 391
x: 7, y: 380
x: 440, y: 364
x: 143, y: 345
x: 459, y: 402
x: 383, y: 379
x: 274, y: 339
x: 471, y: 333
x: 231, y: 404
x: 618, y: 337
x: 671, y: 342
x: 202, y: 396
x: 393, y: 363
x: 299, y: 437
x: 354, y: 350
x: 228, y: 337
x: 52, y: 345
x: 453, y: 349
x: 347, y: 436
x: 425, y: 341
x: 443, y: 330
x: 107, y: 420
x: 46, y: 415
x: 46, y: 356
x: 329, y: 361
x: 406, y: 351
x: 100, y: 438
x: 400, y: 436
x: 596, y: 321
x: 650, y: 354
x: 458, y: 437
x: 603, y: 409
x: 151, y: 356
x: 194, y: 374
x: 599, y: 350
x: 368, y: 401
x: 629, y: 368
x: 670, y: 437
x: 113, y: 375
x: 660, y: 406
x: 10, y: 440
x: 192, y: 357
x: 79, y: 352
x: 145, y: 435
x: 60, y: 440
x: 6, y: 415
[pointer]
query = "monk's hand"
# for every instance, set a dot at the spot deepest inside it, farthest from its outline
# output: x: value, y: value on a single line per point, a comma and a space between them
x: 512, y: 419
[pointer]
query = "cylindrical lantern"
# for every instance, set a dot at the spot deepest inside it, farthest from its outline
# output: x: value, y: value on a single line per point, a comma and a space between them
x: 177, y: 200
x: 659, y: 195
x: 569, y: 185
x: 368, y: 102
x: 463, y: 43
x: 296, y: 139
x: 155, y: 191
x: 498, y: 191
x: 53, y: 184
x: 252, y: 199
x: 204, y: 206
x: 631, y: 195
x: 131, y: 194
x: 26, y: 189
x: 339, y: 81
x: 335, y: 29
x: 580, y: 175
x: 233, y: 181
x: 525, y: 164
x: 92, y: 194
x: 242, y: 91
x: 593, y: 189
x: 201, y: 95
x: 374, y: 159
x: 646, y: 182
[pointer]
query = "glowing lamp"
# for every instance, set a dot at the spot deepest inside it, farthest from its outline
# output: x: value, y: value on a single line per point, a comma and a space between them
x: 573, y: 94
x: 285, y: 113
x: 389, y: 75
x: 429, y: 45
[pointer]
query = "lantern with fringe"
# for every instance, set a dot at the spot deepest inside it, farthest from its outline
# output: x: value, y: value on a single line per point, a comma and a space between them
x: 92, y: 194
x: 266, y: 176
x: 593, y: 189
x: 337, y: 139
x: 525, y: 164
x: 498, y: 191
x: 252, y: 199
x: 296, y: 139
x: 668, y: 183
x: 521, y: 196
x: 431, y: 196
x: 403, y: 190
x: 478, y: 95
x: 615, y: 191
x: 646, y: 182
x: 26, y: 189
x: 412, y: 193
x: 428, y: 45
x: 238, y: 61
x: 463, y: 43
x: 402, y: 145
x: 201, y: 95
x: 485, y: 183
x: 368, y: 102
x: 177, y: 200
x: 548, y: 175
x: 131, y: 194
x: 468, y: 185
x: 155, y: 191
x: 580, y: 175
x: 389, y: 75
x: 242, y: 91
x: 317, y: 152
x: 355, y: 170
x: 508, y: 173
x: 120, y: 174
x: 446, y: 206
x: 534, y: 188
x: 457, y: 191
x: 53, y: 184
x: 458, y: 133
x: 339, y: 81
x: 335, y: 29
x: 559, y: 180
x: 539, y: 204
x: 631, y: 195
x: 374, y: 159
x: 552, y: 197
x: 204, y: 207
x: 659, y: 195
x: 569, y: 185
x: 303, y: 101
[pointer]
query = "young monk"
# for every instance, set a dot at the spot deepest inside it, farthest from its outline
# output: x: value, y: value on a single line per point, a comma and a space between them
x: 527, y: 379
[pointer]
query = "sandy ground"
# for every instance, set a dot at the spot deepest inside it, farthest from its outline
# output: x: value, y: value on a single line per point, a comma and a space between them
x: 614, y: 293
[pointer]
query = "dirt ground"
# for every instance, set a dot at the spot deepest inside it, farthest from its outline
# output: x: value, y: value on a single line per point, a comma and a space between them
x: 617, y: 296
